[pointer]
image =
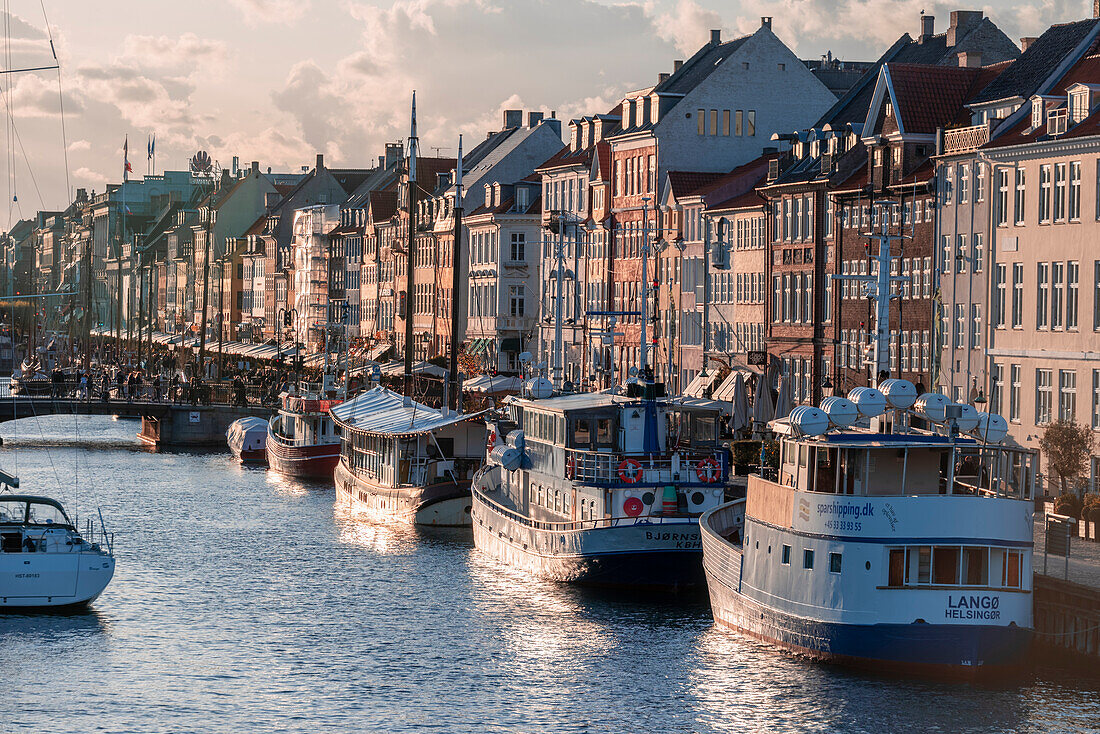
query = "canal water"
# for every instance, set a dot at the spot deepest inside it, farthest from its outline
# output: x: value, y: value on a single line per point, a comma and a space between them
x: 245, y: 603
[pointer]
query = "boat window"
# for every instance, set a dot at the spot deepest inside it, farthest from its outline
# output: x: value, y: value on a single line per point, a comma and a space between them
x: 945, y: 565
x: 897, y: 567
x: 41, y: 514
x: 803, y: 455
x: 786, y: 557
x: 1010, y: 569
x: 825, y: 476
x: 557, y: 500
x: 703, y: 430
x: 976, y: 566
x: 834, y: 562
x: 924, y: 564
x: 12, y: 511
x: 582, y: 434
x: 604, y: 435
x: 807, y: 558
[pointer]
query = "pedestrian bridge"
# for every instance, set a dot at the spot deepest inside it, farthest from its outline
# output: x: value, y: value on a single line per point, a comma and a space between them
x: 163, y: 423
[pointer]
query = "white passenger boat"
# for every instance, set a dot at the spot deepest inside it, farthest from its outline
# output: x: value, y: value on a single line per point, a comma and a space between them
x: 302, y: 440
x: 602, y: 489
x: 905, y: 549
x: 44, y: 561
x: 402, y: 460
x: 247, y: 438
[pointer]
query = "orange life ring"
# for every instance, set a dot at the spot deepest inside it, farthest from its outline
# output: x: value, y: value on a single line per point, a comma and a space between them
x: 630, y: 471
x: 708, y: 470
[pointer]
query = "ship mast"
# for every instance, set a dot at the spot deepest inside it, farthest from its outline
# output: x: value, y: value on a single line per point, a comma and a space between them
x: 456, y: 283
x: 410, y: 200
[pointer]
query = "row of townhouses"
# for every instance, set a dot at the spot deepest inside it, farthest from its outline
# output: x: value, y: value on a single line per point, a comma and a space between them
x: 703, y: 220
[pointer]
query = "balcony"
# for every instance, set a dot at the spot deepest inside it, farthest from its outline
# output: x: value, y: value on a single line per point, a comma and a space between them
x: 964, y: 139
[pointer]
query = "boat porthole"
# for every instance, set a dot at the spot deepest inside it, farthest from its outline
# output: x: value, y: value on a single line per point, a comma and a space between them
x: 758, y: 545
x: 868, y: 565
x: 467, y: 510
x: 769, y: 549
x: 697, y: 498
x: 648, y: 498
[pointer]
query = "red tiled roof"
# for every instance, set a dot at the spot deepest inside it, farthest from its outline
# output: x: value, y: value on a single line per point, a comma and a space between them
x: 750, y: 198
x: 931, y: 96
x: 284, y: 189
x: 383, y: 205
x: 603, y: 153
x: 688, y: 183
x: 567, y: 158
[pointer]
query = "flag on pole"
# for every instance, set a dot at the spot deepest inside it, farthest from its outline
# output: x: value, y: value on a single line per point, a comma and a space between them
x: 152, y: 146
x: 126, y: 168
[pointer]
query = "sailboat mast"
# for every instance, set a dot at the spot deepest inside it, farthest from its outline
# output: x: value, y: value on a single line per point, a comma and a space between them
x: 410, y: 200
x: 456, y: 282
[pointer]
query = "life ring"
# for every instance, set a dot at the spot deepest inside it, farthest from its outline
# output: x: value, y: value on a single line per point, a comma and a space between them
x: 633, y: 507
x: 571, y: 467
x: 630, y: 471
x: 708, y: 470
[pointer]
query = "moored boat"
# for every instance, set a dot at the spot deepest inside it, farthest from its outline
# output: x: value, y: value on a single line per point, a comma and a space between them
x: 905, y: 550
x: 45, y: 563
x: 602, y: 489
x: 302, y: 440
x: 404, y: 461
x: 247, y: 440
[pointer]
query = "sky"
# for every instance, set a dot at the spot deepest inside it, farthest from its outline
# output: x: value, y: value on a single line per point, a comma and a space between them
x: 279, y: 81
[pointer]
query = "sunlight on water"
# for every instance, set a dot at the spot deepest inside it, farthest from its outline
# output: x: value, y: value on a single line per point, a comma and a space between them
x: 248, y: 602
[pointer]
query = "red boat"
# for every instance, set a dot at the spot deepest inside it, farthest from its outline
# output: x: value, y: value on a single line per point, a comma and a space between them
x: 302, y: 439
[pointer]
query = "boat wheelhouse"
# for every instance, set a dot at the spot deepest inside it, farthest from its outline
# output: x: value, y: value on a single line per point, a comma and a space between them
x: 406, y: 461
x: 44, y: 561
x: 302, y: 440
x: 908, y: 550
x: 602, y: 489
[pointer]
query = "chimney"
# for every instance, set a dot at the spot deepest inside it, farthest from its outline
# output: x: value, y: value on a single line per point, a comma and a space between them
x: 236, y: 164
x: 970, y: 59
x: 255, y: 166
x: 393, y: 153
x: 765, y: 22
x: 962, y: 22
x: 927, y: 27
x: 320, y: 161
x: 662, y: 76
x: 716, y: 35
x: 512, y: 119
x: 533, y: 119
x: 1026, y: 41
x: 81, y: 194
x: 676, y: 65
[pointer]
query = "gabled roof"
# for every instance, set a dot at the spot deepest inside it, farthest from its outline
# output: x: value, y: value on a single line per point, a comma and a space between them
x: 1027, y: 73
x: 383, y: 205
x: 567, y: 158
x: 927, y: 97
x: 687, y: 183
x: 699, y: 67
x: 602, y: 161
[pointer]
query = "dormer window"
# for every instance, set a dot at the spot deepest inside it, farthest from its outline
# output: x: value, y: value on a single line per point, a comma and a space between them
x: 488, y: 196
x: 1037, y: 113
x: 1078, y: 105
x: 521, y: 198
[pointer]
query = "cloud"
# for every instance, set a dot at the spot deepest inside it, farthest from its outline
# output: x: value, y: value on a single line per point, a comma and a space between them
x: 688, y: 25
x: 280, y: 12
x: 79, y: 145
x: 89, y: 176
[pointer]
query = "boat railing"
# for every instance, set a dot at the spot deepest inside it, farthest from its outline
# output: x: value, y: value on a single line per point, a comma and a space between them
x: 566, y: 526
x: 65, y: 539
x: 722, y: 531
x: 699, y: 466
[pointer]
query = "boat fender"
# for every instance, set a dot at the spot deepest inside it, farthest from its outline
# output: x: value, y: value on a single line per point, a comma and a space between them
x: 630, y: 471
x: 708, y: 470
x: 633, y: 507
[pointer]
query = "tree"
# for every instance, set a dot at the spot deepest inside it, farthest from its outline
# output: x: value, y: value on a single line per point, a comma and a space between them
x: 1067, y: 447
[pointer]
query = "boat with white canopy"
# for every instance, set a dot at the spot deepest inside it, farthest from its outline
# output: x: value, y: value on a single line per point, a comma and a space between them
x: 406, y: 461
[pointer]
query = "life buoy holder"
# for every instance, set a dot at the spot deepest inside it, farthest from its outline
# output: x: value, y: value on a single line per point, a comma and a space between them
x: 708, y: 470
x: 630, y: 471
x: 571, y: 467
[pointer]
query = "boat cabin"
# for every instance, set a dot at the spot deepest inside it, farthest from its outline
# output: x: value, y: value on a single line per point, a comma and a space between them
x: 26, y: 521
x: 904, y: 464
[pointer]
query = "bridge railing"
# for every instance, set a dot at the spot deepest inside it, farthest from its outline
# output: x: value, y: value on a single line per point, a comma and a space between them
x: 209, y: 393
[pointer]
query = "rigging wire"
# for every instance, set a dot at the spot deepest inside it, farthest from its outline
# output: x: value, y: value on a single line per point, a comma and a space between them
x: 60, y: 101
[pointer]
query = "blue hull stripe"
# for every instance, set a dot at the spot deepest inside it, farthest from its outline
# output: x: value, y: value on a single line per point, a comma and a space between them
x: 899, y: 541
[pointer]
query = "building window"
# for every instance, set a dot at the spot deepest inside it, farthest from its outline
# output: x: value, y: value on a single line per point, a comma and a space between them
x: 1018, y: 294
x: 1001, y: 205
x: 975, y: 325
x: 1021, y: 196
x: 1044, y: 394
x: 964, y: 184
x: 750, y: 123
x: 1042, y: 294
x: 1044, y: 194
x: 1060, y: 192
x: 739, y: 123
x: 946, y: 253
x: 714, y: 122
x: 1014, y: 373
x: 515, y: 301
x: 726, y: 122
x: 701, y: 116
x: 519, y: 246
x: 960, y: 253
x: 1001, y: 273
x: 1073, y: 276
x: 960, y: 326
x: 979, y: 182
x: 1075, y: 191
x: 1095, y: 400
x: 997, y: 381
x: 1067, y: 395
x: 979, y: 253
x: 1057, y: 285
